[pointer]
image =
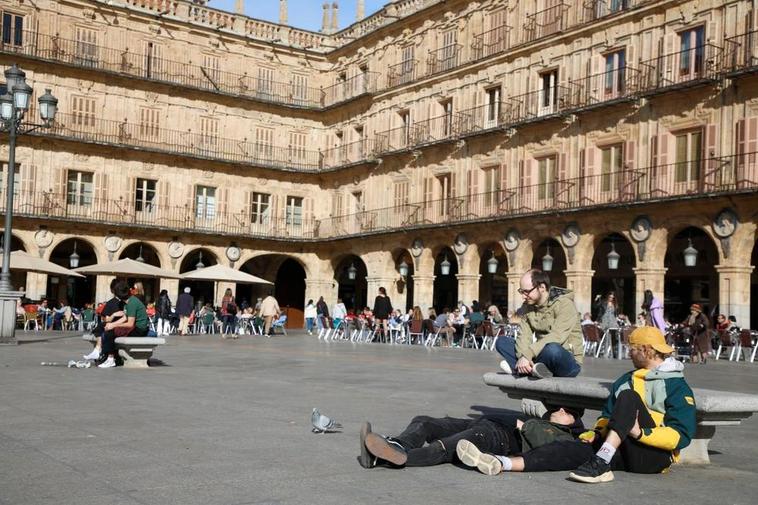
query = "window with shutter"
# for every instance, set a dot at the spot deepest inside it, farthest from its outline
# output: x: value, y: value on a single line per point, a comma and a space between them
x: 12, y: 29
x: 86, y: 47
x: 689, y: 156
x: 400, y: 195
x: 492, y: 113
x: 546, y: 168
x: 294, y: 211
x: 548, y: 92
x: 265, y: 81
x: 260, y: 210
x: 79, y: 188
x: 154, y: 65
x: 4, y: 178
x: 209, y: 132
x: 83, y: 112
x: 610, y: 168
x: 145, y: 195
x: 264, y: 140
x: 205, y: 202
x: 691, y: 53
x: 212, y: 68
x: 615, y: 74
x: 447, y: 117
x: 300, y: 88
x: 149, y: 123
x: 296, y: 148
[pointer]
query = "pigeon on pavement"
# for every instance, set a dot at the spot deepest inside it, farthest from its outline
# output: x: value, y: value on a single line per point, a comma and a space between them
x: 322, y: 423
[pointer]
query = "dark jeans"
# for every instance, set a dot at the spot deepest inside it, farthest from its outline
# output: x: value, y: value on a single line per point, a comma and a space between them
x: 443, y: 434
x: 554, y: 356
x: 110, y: 336
x: 634, y: 456
x: 230, y: 322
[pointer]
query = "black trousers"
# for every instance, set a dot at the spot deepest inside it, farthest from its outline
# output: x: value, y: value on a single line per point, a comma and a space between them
x: 634, y: 456
x: 109, y: 339
x: 442, y: 436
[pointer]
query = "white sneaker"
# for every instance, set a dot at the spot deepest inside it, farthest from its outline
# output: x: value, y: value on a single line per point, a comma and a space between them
x: 471, y: 456
x: 505, y: 367
x: 108, y: 363
x: 95, y: 354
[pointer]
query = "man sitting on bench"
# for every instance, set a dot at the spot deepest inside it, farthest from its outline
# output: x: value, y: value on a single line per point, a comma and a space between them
x: 135, y: 324
x: 431, y: 441
x: 550, y: 337
x: 648, y: 417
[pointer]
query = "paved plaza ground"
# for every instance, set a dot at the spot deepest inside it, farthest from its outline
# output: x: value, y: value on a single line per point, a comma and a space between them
x: 228, y: 422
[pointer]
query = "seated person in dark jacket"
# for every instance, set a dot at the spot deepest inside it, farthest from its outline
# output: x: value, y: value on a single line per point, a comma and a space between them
x: 546, y: 444
x: 112, y: 311
x: 135, y: 325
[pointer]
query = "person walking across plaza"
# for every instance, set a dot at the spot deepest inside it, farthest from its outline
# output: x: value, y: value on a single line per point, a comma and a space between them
x: 699, y: 328
x: 652, y: 308
x: 184, y: 306
x: 382, y: 311
x: 269, y: 311
x: 648, y: 417
x: 163, y: 311
x: 310, y: 315
x: 550, y: 337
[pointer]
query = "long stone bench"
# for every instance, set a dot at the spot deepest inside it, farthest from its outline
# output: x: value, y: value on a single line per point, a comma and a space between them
x: 714, y: 408
x: 135, y: 351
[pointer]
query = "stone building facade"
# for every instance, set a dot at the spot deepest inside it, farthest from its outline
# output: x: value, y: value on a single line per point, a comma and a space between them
x: 430, y: 132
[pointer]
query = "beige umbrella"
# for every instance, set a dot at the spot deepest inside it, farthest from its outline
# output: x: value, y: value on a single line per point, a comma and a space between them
x: 221, y: 273
x: 21, y: 260
x: 128, y: 268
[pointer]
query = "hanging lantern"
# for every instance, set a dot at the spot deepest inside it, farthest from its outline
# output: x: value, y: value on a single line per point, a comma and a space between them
x: 140, y: 258
x: 199, y: 263
x: 403, y: 269
x: 73, y: 260
x: 352, y: 272
x: 547, y: 261
x: 690, y: 254
x: 492, y: 264
x: 445, y: 267
x: 613, y: 258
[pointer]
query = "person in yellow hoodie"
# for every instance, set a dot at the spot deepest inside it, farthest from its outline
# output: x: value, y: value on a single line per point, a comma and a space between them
x: 648, y: 417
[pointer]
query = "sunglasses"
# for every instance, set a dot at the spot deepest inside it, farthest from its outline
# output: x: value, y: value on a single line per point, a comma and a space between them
x: 526, y: 292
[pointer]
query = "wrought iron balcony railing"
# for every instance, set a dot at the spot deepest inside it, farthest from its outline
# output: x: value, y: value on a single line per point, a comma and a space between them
x: 444, y: 59
x: 610, y: 86
x: 402, y: 73
x: 361, y: 84
x: 741, y: 54
x: 681, y: 69
x: 593, y: 10
x: 491, y: 42
x: 349, y: 154
x: 546, y: 22
x: 691, y: 179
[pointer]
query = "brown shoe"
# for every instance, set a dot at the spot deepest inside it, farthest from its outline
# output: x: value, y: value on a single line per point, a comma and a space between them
x: 385, y: 449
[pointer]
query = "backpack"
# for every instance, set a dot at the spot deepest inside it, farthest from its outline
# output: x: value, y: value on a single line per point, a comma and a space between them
x: 231, y: 309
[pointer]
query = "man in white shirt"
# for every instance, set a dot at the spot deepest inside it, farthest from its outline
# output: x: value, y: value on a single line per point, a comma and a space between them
x: 338, y: 313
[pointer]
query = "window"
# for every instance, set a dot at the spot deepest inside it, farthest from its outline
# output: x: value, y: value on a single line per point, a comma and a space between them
x: 79, y: 188
x: 13, y: 29
x: 297, y: 147
x: 260, y: 206
x: 359, y: 135
x: 689, y: 151
x: 205, y: 202
x: 493, y: 107
x: 144, y: 197
x: 299, y: 88
x: 615, y: 73
x: 149, y: 123
x: 86, y: 47
x: 83, y: 111
x: 211, y: 68
x: 428, y: 192
x: 4, y: 176
x: 548, y: 92
x: 448, y: 52
x: 493, y: 184
x: 265, y: 81
x: 294, y: 211
x: 692, y: 52
x: 447, y: 118
x: 153, y: 60
x: 405, y: 125
x: 612, y: 159
x: 406, y: 67
x: 264, y: 140
x: 401, y: 194
x: 209, y: 131
x: 546, y: 175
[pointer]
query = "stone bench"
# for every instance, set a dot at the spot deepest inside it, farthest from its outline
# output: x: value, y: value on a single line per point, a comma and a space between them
x: 714, y: 408
x: 135, y: 351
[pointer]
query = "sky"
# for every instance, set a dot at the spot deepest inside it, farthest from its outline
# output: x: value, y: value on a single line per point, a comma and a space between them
x: 302, y: 13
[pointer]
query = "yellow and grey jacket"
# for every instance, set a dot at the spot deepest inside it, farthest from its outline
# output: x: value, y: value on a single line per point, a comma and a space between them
x: 555, y: 322
x: 668, y: 399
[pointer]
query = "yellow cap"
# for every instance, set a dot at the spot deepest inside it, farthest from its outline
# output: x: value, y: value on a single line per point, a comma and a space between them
x: 652, y: 336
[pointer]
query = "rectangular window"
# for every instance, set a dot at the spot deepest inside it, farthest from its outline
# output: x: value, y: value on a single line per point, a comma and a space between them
x: 689, y: 153
x: 493, y: 179
x: 86, y: 47
x: 691, y: 52
x: 299, y: 88
x: 492, y: 113
x: 264, y: 140
x: 145, y: 195
x: 401, y: 194
x: 405, y: 127
x: 211, y: 68
x: 407, y: 65
x: 79, y: 188
x: 205, y: 202
x: 260, y: 208
x: 448, y: 54
x: 265, y: 81
x: 13, y: 29
x: 546, y: 174
x: 209, y: 132
x: 548, y: 92
x: 447, y: 117
x: 615, y: 73
x: 149, y: 123
x: 83, y: 111
x: 296, y: 148
x: 153, y: 60
x: 428, y: 192
x: 294, y: 211
x: 612, y: 157
x: 4, y: 177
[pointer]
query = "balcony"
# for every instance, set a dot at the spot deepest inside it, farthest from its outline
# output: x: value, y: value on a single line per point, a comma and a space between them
x: 491, y: 42
x: 444, y: 59
x: 402, y: 138
x: 359, y: 85
x: 683, y: 69
x: 546, y: 22
x: 151, y: 138
x: 402, y: 73
x: 741, y: 54
x: 78, y: 54
x: 349, y: 154
x: 613, y: 86
x: 592, y: 10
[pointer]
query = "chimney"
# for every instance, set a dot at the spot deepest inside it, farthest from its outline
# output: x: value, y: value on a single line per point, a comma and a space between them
x: 360, y: 11
x: 325, y: 19
x: 240, y: 7
x: 335, y: 20
x: 282, y: 12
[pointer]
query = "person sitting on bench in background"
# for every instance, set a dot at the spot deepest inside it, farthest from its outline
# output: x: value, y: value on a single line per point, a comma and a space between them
x: 135, y: 325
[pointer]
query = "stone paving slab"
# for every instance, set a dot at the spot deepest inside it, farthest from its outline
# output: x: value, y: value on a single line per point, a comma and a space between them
x: 228, y: 422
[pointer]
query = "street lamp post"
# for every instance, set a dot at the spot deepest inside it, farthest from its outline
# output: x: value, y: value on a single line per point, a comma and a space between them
x: 13, y: 106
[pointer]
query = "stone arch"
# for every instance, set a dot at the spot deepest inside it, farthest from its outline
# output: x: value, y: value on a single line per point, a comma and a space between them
x: 76, y: 290
x: 353, y: 292
x: 493, y: 287
x: 149, y: 254
x: 685, y: 285
x: 622, y: 280
x: 287, y: 272
x: 403, y: 286
x: 560, y: 261
x: 18, y: 277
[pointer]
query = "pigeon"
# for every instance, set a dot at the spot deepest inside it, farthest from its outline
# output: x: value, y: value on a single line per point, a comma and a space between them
x: 323, y: 424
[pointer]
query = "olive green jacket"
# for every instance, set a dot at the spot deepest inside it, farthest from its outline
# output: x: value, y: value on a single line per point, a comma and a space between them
x: 555, y: 322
